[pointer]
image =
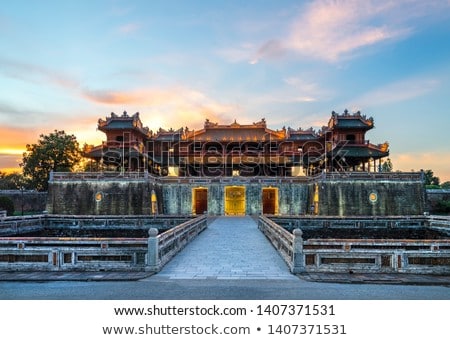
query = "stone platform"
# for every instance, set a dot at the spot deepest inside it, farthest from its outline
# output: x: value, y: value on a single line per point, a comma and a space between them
x: 231, y: 248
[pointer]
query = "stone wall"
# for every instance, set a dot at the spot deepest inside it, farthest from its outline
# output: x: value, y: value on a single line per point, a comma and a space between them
x: 336, y: 197
x: 32, y: 201
x: 371, y: 198
x: 109, y: 197
x: 177, y: 198
x: 434, y: 196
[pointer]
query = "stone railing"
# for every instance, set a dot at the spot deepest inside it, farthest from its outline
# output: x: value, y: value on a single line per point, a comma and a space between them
x: 96, y: 253
x: 60, y: 254
x: 285, y: 243
x: 357, y: 255
x: 233, y: 180
x: 103, y: 175
x: 114, y: 175
x: 364, y: 175
x: 348, y: 175
x: 439, y: 221
x: 16, y: 225
x: 293, y: 222
x: 390, y: 256
x: 164, y: 246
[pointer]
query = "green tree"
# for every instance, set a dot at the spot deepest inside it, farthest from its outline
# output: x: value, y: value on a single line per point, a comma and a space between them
x: 443, y: 206
x: 54, y: 152
x: 13, y: 181
x: 430, y: 179
x: 445, y: 185
x: 387, y: 166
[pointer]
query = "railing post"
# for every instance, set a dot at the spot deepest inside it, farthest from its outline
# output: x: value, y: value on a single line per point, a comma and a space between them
x: 153, y: 260
x: 298, y: 262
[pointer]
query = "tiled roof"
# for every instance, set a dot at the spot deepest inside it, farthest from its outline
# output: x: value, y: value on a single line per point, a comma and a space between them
x: 361, y: 151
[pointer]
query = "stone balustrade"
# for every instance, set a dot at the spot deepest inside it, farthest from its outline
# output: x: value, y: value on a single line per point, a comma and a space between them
x: 439, y: 221
x: 93, y: 253
x: 60, y: 254
x: 401, y: 256
x: 358, y: 255
x: 292, y: 222
x: 103, y: 175
x: 344, y: 175
x: 163, y: 247
x: 281, y: 239
x: 16, y: 225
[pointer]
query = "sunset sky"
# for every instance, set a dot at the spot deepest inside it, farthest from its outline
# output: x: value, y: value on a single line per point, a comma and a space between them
x: 65, y: 64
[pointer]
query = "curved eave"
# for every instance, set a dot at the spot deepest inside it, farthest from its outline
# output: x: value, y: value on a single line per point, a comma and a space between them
x: 360, y: 152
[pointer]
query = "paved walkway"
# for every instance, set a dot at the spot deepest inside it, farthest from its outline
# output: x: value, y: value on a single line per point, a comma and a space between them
x: 230, y: 248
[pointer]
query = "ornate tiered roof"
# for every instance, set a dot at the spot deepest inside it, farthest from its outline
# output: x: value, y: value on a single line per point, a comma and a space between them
x: 350, y: 121
x: 123, y: 122
x: 257, y: 131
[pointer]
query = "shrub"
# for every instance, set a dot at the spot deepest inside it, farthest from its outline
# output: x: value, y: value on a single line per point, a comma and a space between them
x: 443, y: 206
x: 7, y: 204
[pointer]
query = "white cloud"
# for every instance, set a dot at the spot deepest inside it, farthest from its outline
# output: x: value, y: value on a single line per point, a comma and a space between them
x: 241, y: 53
x: 35, y: 73
x: 330, y: 30
x: 129, y: 28
x: 398, y: 91
x: 303, y: 90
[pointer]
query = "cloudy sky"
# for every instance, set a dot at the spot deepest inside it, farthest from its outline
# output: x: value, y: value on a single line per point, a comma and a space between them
x: 64, y: 64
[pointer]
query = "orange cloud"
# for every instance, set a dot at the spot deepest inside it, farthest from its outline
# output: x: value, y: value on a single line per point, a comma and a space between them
x: 14, y: 140
x: 10, y: 163
x: 436, y: 161
x: 111, y: 97
x: 169, y: 107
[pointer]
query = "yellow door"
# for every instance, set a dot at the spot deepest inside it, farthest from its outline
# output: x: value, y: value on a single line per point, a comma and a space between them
x: 235, y: 200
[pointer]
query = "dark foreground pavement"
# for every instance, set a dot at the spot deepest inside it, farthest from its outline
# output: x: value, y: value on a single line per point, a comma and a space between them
x: 141, y: 286
x: 403, y: 279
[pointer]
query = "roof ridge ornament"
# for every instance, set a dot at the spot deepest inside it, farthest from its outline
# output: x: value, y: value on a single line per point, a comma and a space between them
x: 235, y: 124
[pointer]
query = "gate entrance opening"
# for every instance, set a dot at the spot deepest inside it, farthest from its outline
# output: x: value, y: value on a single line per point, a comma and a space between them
x: 235, y: 200
x: 270, y: 201
x: 199, y: 201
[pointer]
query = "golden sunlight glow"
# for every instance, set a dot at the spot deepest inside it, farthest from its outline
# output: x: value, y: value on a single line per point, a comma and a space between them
x: 12, y: 151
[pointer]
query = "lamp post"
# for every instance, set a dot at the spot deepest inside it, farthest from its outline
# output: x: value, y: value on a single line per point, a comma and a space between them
x: 21, y: 196
x: 325, y: 157
x: 123, y: 154
x: 330, y: 144
x: 171, y: 152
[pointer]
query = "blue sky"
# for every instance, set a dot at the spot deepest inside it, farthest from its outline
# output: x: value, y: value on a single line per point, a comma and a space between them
x: 64, y: 64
